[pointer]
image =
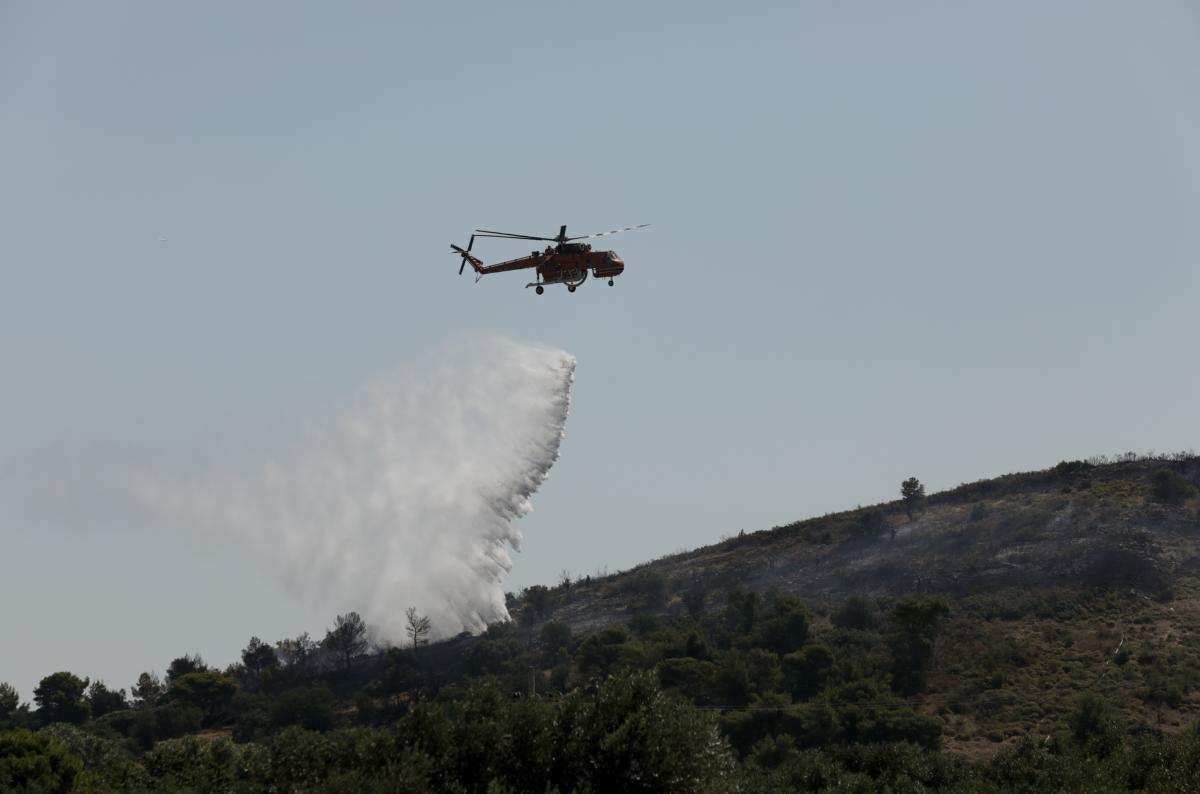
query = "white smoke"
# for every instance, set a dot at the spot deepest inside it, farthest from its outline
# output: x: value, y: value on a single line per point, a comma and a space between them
x: 405, y: 498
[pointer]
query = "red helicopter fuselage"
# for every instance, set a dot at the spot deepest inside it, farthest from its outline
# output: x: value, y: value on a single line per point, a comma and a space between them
x: 567, y: 262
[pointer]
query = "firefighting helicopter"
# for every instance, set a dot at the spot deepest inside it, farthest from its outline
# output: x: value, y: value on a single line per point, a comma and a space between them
x: 565, y: 262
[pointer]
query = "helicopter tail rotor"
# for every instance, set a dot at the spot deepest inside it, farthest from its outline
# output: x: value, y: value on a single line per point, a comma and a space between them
x: 466, y: 257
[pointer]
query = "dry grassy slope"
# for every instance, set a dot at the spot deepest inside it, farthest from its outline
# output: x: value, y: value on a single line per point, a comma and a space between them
x: 1047, y: 573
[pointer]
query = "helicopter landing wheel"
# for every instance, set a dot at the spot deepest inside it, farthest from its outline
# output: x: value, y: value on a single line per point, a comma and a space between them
x: 610, y: 282
x: 539, y: 289
x: 570, y: 288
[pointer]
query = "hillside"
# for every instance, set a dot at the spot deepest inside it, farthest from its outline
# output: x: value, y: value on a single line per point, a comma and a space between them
x: 1030, y: 632
x: 1076, y: 578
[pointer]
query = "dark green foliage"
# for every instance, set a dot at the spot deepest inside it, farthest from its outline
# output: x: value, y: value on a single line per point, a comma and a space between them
x: 659, y: 707
x: 1095, y: 728
x: 1172, y: 488
x: 731, y: 685
x: 261, y: 663
x: 104, y: 756
x: 183, y: 665
x: 741, y: 612
x: 307, y: 707
x: 643, y: 623
x: 60, y: 699
x: 193, y: 764
x: 785, y: 627
x: 489, y: 654
x: 210, y: 692
x: 913, y: 494
x: 103, y: 700
x: 36, y: 762
x: 806, y: 672
x: 400, y: 673
x: 347, y: 638
x: 145, y: 726
x: 856, y: 613
x: 690, y: 677
x: 693, y: 601
x: 538, y: 600
x: 865, y: 713
x: 295, y: 656
x: 913, y: 629
x: 598, y: 654
x: 632, y: 737
x: 556, y: 642
x: 147, y: 690
x: 629, y: 736
x: 9, y: 701
x: 251, y: 714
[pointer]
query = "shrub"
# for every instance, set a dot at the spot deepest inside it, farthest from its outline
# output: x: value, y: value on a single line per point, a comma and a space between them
x: 1171, y: 488
x: 308, y: 707
x: 856, y: 613
x: 36, y: 762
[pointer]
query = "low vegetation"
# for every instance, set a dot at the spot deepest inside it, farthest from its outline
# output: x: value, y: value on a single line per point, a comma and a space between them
x: 710, y: 672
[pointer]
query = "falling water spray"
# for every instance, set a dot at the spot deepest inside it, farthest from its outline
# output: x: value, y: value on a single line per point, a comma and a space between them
x: 406, y: 497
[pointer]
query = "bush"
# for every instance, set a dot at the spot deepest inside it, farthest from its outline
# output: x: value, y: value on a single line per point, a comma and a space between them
x: 36, y: 762
x: 308, y: 707
x: 856, y: 613
x: 1171, y: 488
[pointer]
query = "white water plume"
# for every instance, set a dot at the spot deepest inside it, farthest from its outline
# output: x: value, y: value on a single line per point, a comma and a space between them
x: 408, y: 496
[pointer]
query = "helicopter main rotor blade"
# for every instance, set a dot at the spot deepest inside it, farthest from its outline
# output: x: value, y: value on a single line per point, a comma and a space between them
x: 511, y: 236
x: 614, y: 231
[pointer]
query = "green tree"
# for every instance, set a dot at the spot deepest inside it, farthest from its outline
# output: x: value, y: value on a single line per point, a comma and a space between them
x: 914, y: 626
x: 209, y: 691
x: 147, y: 690
x: 785, y: 628
x: 297, y: 654
x: 538, y: 599
x: 347, y: 638
x: 741, y: 612
x: 308, y: 707
x: 9, y: 701
x: 60, y: 699
x: 856, y: 612
x: 806, y: 672
x: 556, y: 641
x: 261, y: 662
x: 1095, y: 727
x: 36, y: 762
x: 103, y: 700
x: 633, y: 737
x: 183, y: 665
x: 913, y: 493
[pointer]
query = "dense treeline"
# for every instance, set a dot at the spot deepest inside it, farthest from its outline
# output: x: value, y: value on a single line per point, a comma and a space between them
x: 698, y: 691
x: 740, y: 694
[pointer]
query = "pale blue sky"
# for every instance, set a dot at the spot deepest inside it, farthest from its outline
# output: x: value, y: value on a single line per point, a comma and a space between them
x: 943, y: 239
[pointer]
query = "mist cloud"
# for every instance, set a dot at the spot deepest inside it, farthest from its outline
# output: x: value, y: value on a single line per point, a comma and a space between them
x: 406, y: 497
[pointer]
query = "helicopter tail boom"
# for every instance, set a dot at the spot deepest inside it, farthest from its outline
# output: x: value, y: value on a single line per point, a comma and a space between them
x: 466, y: 257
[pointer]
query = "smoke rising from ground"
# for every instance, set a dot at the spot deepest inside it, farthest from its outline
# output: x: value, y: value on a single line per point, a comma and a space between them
x: 406, y: 497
